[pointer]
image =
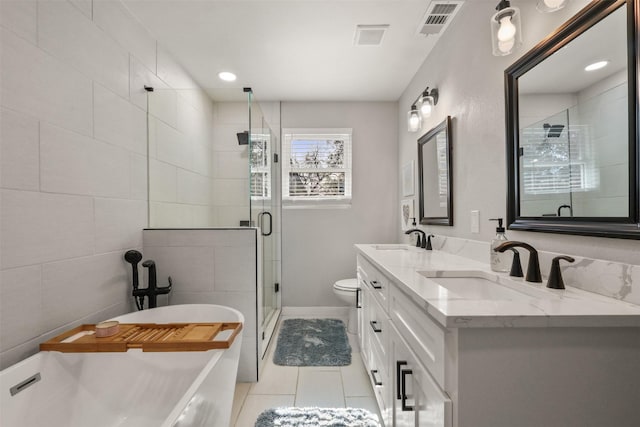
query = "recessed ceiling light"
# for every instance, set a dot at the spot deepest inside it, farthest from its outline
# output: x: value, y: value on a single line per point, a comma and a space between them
x: 596, y: 65
x: 227, y: 76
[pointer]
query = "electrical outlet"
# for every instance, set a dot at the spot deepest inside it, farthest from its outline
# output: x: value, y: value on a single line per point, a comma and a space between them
x: 475, y: 221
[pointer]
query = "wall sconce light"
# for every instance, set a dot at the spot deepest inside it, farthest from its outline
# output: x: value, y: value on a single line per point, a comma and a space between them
x: 549, y: 6
x: 506, y: 32
x: 414, y: 120
x: 426, y: 101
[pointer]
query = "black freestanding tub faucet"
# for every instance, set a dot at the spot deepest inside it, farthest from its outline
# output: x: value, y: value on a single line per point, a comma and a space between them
x: 152, y: 290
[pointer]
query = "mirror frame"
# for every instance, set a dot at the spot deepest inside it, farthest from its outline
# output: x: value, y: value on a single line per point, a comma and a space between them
x: 446, y: 220
x: 619, y: 227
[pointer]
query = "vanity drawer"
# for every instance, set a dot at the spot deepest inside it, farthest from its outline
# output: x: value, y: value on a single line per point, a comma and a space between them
x: 425, y: 337
x: 376, y: 281
x: 381, y: 384
x: 377, y: 328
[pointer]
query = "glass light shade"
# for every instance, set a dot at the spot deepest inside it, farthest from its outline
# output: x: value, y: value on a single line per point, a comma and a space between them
x: 506, y: 31
x: 426, y: 106
x: 548, y: 6
x: 414, y: 121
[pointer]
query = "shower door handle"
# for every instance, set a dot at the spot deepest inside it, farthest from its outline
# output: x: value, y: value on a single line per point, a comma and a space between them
x: 261, y: 217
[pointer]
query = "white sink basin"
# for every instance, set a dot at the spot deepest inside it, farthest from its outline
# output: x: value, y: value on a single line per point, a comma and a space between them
x: 390, y: 247
x: 472, y: 285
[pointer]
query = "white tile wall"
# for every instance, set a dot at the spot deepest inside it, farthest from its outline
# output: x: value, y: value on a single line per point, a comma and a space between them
x: 74, y: 162
x: 212, y: 266
x: 67, y: 34
x: 20, y: 152
x: 20, y: 17
x: 114, y: 19
x: 43, y: 86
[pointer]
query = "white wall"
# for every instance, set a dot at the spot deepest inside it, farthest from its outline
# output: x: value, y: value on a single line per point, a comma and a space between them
x: 73, y: 163
x: 470, y: 81
x: 317, y: 244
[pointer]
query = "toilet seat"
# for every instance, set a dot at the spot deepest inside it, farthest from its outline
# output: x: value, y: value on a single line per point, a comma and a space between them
x: 348, y: 285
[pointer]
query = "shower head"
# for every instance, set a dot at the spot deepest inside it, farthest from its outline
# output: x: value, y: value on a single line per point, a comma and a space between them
x: 243, y: 137
x: 133, y: 257
x: 553, y: 131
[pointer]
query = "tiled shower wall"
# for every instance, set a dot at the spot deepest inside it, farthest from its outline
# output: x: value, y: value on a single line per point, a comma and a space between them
x: 73, y: 162
x: 215, y: 266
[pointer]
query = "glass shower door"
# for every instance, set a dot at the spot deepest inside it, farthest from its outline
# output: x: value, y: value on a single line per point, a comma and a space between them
x: 265, y: 214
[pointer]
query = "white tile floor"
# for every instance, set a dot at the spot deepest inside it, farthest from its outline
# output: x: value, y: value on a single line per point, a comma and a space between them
x: 330, y: 386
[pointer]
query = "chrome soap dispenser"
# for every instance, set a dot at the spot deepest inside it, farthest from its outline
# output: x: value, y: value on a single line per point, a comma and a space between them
x: 500, y: 261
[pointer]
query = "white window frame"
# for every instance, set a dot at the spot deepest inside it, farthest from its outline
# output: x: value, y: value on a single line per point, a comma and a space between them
x: 290, y: 134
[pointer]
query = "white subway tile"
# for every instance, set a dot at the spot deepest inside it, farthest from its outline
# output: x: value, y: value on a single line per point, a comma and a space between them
x: 110, y: 167
x: 68, y: 35
x: 172, y: 73
x: 230, y: 216
x: 84, y: 6
x: 76, y: 288
x: 235, y: 269
x: 231, y: 164
x: 203, y: 159
x: 20, y: 293
x: 193, y: 188
x: 41, y: 227
x: 20, y: 17
x: 141, y: 76
x: 169, y: 215
x: 232, y: 113
x: 119, y: 122
x: 162, y: 182
x: 163, y: 104
x: 138, y: 177
x: 172, y: 146
x: 231, y: 192
x: 116, y: 21
x: 119, y: 224
x: 190, y: 268
x: 244, y: 237
x: 65, y: 161
x: 20, y: 151
x: 155, y: 238
x: 35, y: 83
x: 203, y: 216
x: 225, y: 138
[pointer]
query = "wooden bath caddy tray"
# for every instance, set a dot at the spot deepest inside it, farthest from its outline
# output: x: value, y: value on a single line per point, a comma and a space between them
x: 146, y: 336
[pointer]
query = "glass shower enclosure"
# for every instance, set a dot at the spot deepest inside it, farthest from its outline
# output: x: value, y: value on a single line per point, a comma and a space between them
x: 212, y: 164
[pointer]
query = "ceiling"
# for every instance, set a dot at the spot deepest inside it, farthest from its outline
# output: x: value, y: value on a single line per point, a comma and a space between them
x: 293, y: 50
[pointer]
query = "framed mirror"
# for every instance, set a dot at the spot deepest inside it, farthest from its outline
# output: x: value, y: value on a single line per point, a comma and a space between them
x: 572, y: 147
x: 435, y: 175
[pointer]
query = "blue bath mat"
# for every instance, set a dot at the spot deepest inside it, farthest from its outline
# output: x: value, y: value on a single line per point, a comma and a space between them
x: 308, y: 417
x: 312, y: 342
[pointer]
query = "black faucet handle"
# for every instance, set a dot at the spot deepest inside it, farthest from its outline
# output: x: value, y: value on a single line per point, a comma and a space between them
x: 555, y: 276
x: 149, y: 263
x: 516, y: 265
x: 427, y: 245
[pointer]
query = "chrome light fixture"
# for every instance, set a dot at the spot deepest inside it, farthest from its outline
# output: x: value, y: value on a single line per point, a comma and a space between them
x: 425, y: 101
x: 549, y: 6
x: 506, y: 33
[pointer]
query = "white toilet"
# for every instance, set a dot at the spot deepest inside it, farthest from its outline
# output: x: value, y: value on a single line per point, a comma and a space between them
x: 346, y: 290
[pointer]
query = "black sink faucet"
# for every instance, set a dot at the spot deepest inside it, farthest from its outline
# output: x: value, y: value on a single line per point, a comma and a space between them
x: 425, y: 243
x: 533, y: 268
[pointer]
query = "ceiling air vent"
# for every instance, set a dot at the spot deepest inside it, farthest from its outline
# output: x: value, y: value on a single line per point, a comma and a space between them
x: 438, y: 16
x: 369, y: 35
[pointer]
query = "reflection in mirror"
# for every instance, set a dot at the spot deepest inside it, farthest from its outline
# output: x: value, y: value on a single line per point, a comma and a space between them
x: 434, y: 163
x: 572, y: 145
x: 573, y: 127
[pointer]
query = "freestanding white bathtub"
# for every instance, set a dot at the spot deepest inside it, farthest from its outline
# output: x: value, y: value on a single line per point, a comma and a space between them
x: 135, y: 388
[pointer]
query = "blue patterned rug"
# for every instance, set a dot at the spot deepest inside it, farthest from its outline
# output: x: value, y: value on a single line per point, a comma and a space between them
x: 308, y: 417
x: 312, y: 342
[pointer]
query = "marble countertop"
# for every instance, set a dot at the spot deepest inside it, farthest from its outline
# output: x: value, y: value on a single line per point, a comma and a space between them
x: 535, y: 304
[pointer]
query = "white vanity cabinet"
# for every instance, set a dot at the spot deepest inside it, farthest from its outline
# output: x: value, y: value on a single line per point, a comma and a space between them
x: 484, y: 368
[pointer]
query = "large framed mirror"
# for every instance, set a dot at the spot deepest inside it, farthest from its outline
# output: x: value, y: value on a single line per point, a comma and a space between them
x: 571, y: 108
x: 435, y: 175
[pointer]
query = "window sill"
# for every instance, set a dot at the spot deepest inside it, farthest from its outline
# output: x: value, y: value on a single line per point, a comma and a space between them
x: 316, y: 204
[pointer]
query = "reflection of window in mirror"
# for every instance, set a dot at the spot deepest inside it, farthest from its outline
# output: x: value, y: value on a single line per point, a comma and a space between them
x: 434, y: 166
x: 573, y: 127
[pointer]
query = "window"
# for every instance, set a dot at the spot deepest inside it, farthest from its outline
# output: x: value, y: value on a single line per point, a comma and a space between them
x: 260, y: 166
x: 316, y: 166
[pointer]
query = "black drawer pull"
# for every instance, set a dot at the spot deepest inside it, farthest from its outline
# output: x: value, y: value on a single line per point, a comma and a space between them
x: 374, y: 325
x: 399, y: 365
x: 373, y: 376
x: 403, y: 375
x: 358, y: 298
x: 375, y: 284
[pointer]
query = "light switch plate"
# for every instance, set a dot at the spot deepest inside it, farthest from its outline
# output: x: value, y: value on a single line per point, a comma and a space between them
x: 475, y: 221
